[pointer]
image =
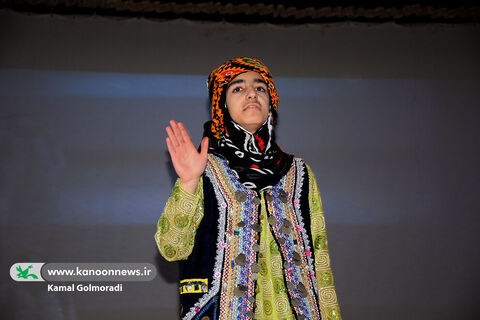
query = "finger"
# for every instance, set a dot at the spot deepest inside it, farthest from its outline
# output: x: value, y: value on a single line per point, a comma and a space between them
x: 204, y: 147
x: 184, y: 132
x: 170, y: 147
x: 176, y: 131
x: 171, y: 135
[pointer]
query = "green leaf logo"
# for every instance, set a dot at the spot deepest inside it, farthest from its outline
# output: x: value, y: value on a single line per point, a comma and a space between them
x: 26, y: 271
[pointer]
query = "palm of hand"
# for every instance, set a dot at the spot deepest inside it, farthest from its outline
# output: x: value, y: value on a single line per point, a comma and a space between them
x: 187, y: 161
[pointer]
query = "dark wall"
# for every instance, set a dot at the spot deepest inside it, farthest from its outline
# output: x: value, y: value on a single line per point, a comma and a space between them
x: 385, y: 115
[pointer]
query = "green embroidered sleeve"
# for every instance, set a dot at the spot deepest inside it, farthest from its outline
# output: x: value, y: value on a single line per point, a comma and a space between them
x: 327, y: 295
x: 179, y: 221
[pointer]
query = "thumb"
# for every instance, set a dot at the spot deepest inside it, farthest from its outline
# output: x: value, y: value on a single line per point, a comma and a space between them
x: 204, y: 147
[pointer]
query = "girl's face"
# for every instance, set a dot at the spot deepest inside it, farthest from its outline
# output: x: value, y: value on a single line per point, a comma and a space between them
x: 248, y: 100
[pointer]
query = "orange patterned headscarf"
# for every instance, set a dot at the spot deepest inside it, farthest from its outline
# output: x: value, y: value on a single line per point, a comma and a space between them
x: 220, y: 78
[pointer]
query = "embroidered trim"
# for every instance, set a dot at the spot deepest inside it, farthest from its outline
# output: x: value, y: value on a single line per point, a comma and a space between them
x: 215, y: 285
x: 230, y: 243
x: 296, y: 236
x: 300, y: 173
x: 305, y: 250
x: 215, y: 301
x: 193, y: 286
x: 241, y: 240
x: 292, y: 274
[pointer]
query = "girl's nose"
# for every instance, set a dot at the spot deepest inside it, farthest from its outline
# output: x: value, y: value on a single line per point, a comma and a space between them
x: 251, y: 92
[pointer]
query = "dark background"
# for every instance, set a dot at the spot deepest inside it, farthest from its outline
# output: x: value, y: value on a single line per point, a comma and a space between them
x: 385, y: 114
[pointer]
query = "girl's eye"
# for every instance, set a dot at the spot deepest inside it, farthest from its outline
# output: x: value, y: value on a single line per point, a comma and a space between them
x: 237, y: 89
x: 261, y: 89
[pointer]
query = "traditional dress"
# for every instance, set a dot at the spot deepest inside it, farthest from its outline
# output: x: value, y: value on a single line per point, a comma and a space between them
x: 251, y: 240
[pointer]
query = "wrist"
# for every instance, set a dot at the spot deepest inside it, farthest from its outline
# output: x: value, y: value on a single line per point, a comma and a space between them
x: 189, y: 185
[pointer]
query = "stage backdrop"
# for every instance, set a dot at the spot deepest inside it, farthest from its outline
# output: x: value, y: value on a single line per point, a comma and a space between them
x: 386, y: 116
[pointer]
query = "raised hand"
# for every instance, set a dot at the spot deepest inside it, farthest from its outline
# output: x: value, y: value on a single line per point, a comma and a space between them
x: 187, y: 161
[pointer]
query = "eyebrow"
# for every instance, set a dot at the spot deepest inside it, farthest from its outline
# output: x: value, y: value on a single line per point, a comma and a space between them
x: 256, y: 80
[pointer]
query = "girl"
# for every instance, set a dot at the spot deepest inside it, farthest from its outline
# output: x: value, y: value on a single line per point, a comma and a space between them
x: 245, y: 219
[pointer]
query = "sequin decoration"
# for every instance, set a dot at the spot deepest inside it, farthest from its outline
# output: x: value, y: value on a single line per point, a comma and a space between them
x: 274, y: 248
x: 163, y: 225
x: 181, y: 220
x: 321, y: 242
x: 326, y: 278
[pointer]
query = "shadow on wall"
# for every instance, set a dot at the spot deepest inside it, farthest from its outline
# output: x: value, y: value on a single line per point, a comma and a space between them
x: 168, y: 271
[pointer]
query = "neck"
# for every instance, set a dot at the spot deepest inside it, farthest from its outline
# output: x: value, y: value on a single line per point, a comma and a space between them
x: 251, y: 130
x: 258, y: 142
